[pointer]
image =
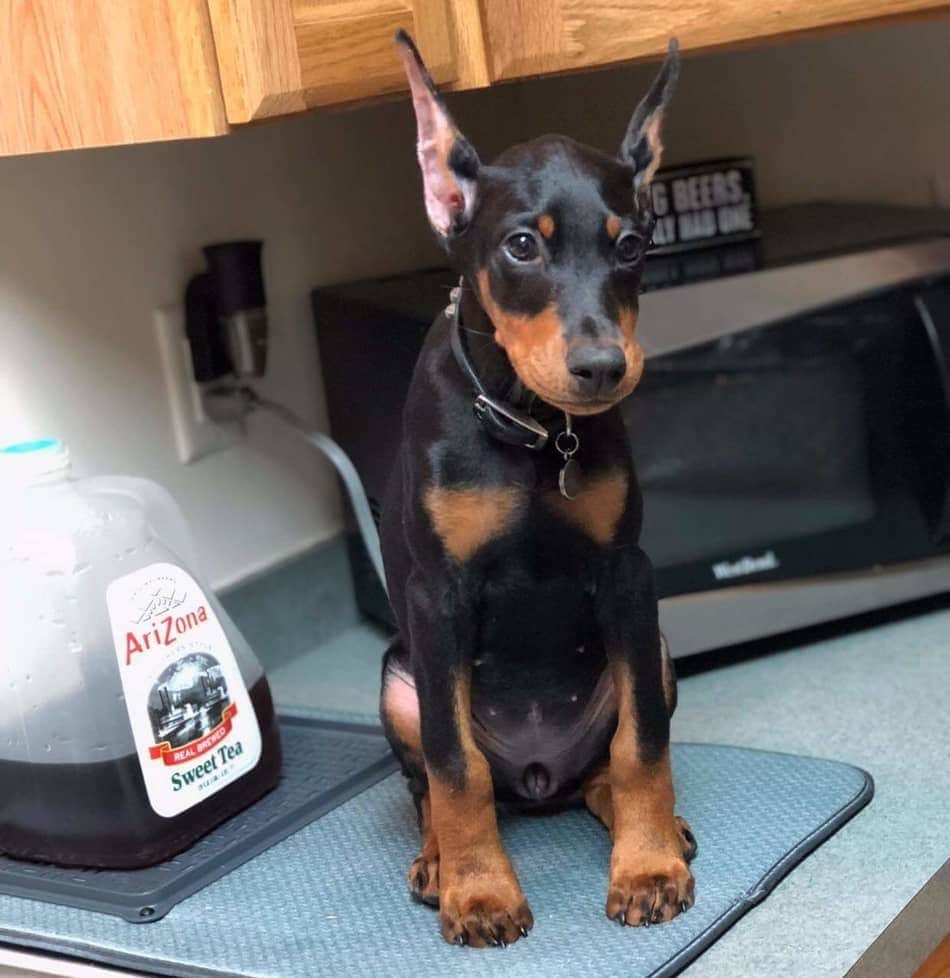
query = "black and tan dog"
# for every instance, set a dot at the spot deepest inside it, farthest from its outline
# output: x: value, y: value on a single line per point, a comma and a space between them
x: 529, y: 667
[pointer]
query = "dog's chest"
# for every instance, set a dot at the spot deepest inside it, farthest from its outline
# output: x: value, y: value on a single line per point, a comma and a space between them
x: 543, y: 705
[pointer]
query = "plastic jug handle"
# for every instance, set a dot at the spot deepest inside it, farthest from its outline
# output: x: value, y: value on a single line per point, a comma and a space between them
x: 161, y: 510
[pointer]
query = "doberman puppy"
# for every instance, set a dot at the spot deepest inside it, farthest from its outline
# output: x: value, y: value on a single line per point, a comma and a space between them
x: 528, y: 666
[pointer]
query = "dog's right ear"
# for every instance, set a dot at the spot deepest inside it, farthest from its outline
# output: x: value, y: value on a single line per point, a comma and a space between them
x: 449, y: 164
x: 642, y: 146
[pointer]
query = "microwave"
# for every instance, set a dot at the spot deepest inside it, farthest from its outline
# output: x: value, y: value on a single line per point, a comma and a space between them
x: 791, y: 432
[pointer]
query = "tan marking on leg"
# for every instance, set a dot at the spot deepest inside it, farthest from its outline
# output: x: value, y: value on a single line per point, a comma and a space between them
x: 480, y: 897
x: 430, y: 844
x: 613, y: 226
x: 597, y: 508
x: 650, y: 881
x: 669, y: 676
x: 466, y: 519
x: 546, y: 225
x: 597, y: 797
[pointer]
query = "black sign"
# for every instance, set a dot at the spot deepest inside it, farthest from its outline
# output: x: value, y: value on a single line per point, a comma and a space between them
x: 662, y: 271
x: 704, y: 204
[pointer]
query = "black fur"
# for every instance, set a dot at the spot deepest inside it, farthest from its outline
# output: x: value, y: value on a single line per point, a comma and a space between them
x: 524, y: 604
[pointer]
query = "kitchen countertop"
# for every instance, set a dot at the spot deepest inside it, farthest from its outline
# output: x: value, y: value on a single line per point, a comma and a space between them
x: 875, y: 698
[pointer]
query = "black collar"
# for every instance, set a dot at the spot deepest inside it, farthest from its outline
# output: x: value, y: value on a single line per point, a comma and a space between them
x: 500, y: 418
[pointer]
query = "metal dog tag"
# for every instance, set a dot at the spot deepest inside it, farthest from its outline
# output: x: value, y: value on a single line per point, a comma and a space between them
x: 567, y: 444
x: 570, y: 478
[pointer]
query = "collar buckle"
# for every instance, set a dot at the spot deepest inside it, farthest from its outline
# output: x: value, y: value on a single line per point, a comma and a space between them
x: 509, y: 425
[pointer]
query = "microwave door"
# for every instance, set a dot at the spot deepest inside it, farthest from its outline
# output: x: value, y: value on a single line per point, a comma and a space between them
x: 933, y: 435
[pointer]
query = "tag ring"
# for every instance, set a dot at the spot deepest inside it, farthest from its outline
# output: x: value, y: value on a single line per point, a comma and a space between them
x: 572, y: 439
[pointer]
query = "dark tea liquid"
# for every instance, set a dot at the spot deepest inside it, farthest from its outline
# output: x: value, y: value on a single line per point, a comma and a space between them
x: 98, y: 814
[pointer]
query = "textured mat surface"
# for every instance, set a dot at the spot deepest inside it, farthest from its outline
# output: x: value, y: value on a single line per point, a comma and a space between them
x: 331, y: 899
x: 326, y: 762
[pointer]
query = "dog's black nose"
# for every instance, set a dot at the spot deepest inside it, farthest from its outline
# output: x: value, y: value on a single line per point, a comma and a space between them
x: 597, y: 369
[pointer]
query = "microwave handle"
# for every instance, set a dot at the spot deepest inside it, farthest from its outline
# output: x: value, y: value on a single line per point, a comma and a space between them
x: 933, y: 309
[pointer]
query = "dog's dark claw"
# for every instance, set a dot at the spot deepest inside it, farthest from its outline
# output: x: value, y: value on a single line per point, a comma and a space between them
x: 524, y: 931
x: 684, y: 906
x: 460, y: 940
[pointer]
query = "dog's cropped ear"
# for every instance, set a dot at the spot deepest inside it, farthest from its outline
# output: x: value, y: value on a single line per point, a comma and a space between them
x: 642, y: 146
x: 449, y: 164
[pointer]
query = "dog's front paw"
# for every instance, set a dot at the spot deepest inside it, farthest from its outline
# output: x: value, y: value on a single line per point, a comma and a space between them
x: 484, y: 909
x: 651, y: 888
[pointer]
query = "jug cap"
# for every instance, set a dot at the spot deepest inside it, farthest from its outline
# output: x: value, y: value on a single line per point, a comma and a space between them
x: 27, y: 463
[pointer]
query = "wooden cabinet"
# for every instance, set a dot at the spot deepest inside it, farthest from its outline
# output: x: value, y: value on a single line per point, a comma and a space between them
x: 280, y: 56
x: 535, y: 37
x: 77, y: 73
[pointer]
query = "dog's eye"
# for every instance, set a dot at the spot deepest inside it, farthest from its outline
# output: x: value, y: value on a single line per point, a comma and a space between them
x: 522, y: 247
x: 629, y: 247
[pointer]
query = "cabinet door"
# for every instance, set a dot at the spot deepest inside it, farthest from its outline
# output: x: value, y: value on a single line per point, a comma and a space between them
x: 534, y: 37
x: 79, y: 73
x: 280, y: 56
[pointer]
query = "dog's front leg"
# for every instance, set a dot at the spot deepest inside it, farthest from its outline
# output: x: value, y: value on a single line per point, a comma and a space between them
x: 480, y: 899
x: 650, y: 880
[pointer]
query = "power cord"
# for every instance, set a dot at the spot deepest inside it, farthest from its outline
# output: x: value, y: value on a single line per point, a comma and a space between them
x: 250, y: 400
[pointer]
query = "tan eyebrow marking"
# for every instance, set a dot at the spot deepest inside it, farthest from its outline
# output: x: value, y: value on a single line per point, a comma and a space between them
x: 613, y: 226
x: 546, y: 225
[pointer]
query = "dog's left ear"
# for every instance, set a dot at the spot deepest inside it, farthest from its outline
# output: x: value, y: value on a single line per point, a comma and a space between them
x: 642, y: 146
x: 448, y: 162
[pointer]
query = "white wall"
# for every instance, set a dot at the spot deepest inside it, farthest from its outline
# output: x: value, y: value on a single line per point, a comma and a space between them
x: 857, y: 116
x: 91, y: 242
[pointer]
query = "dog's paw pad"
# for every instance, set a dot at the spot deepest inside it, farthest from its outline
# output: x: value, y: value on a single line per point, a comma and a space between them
x: 424, y: 881
x: 641, y: 899
x: 690, y: 845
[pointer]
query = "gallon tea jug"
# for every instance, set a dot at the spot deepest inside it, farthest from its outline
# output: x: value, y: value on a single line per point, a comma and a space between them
x: 133, y: 715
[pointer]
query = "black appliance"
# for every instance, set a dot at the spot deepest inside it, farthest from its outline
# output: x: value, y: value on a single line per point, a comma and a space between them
x: 791, y: 432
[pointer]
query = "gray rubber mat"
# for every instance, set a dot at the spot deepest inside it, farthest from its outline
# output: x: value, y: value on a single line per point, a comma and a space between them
x: 331, y: 899
x: 325, y: 763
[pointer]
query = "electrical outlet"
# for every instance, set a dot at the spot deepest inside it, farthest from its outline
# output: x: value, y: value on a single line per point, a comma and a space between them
x: 196, y: 434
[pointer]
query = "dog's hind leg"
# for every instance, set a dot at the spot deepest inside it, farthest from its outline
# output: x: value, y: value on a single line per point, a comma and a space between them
x: 669, y: 694
x: 424, y: 871
x: 599, y: 800
x: 399, y: 712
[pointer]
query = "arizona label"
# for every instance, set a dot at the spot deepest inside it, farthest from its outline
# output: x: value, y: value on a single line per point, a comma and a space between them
x: 192, y: 720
